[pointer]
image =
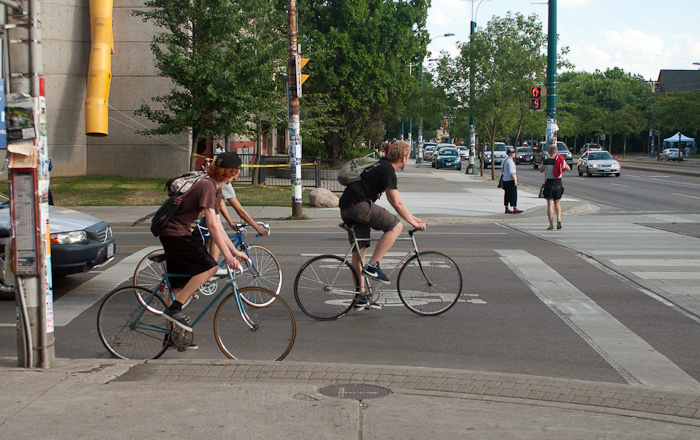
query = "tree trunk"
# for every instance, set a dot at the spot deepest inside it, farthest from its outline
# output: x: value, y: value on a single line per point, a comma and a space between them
x: 193, y: 150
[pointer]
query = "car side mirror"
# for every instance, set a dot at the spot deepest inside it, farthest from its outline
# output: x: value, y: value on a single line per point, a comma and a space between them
x: 615, y: 157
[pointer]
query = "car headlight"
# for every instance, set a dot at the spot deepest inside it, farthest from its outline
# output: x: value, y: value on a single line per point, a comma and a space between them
x: 616, y: 164
x: 73, y: 237
x: 594, y: 165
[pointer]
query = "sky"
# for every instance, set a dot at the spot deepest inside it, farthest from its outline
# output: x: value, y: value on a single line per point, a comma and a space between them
x: 639, y: 36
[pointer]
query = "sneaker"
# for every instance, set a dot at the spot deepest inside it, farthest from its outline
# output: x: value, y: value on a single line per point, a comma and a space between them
x: 516, y: 211
x: 363, y: 303
x: 508, y: 211
x: 550, y: 228
x: 373, y: 271
x: 178, y: 318
x: 558, y: 224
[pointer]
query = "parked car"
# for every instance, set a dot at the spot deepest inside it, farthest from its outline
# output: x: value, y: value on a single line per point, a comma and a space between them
x: 463, y: 151
x: 79, y: 242
x: 448, y: 158
x: 428, y: 153
x: 540, y: 152
x: 590, y: 147
x: 523, y: 154
x: 426, y: 145
x: 670, y: 154
x: 499, y: 154
x: 438, y: 147
x: 598, y: 162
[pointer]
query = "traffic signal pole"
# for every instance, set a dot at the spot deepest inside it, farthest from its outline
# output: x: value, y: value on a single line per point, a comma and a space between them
x: 28, y: 257
x: 552, y: 126
x: 471, y: 168
x: 294, y: 92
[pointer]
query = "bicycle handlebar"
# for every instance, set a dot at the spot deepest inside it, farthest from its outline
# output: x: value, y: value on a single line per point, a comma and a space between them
x: 413, y: 231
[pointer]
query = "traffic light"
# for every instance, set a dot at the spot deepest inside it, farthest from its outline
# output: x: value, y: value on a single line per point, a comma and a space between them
x: 535, y: 98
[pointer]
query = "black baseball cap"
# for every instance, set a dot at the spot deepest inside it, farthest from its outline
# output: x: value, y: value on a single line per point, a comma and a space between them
x: 229, y: 160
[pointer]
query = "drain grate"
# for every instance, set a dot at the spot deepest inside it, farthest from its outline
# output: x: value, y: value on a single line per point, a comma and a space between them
x: 357, y: 391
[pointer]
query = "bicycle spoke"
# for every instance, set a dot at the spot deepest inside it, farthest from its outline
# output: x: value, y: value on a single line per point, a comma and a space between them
x: 325, y: 288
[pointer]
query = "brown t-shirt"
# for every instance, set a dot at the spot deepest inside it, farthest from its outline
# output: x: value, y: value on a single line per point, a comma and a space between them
x: 203, y: 195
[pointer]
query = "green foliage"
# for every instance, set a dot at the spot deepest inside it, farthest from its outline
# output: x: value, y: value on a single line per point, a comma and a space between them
x: 223, y: 57
x: 360, y: 51
x: 679, y: 111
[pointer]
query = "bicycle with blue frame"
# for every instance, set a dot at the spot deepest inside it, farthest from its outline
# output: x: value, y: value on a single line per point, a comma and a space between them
x: 250, y: 323
x: 327, y: 286
x: 263, y: 269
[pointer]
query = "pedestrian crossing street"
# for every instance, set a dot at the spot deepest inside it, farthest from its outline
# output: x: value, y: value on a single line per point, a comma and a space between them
x: 663, y: 262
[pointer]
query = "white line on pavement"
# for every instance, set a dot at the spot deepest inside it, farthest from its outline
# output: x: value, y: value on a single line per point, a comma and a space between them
x: 668, y: 275
x: 629, y: 354
x: 686, y: 262
x: 683, y: 195
x: 69, y: 306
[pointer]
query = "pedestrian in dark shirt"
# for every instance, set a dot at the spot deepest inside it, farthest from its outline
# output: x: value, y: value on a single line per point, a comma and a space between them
x: 553, y: 167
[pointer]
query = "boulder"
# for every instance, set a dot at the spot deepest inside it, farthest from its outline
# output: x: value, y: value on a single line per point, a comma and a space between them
x: 323, y: 198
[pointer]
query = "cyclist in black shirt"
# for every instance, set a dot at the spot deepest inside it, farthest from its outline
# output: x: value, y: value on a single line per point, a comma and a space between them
x: 358, y: 208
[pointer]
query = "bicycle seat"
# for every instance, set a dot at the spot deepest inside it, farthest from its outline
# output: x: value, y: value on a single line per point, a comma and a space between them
x: 158, y: 258
x: 346, y: 226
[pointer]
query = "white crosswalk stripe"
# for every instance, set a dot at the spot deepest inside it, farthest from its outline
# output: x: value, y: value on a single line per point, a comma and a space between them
x: 629, y: 354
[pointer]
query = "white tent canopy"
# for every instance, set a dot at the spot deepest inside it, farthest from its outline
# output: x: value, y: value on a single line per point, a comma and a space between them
x: 679, y: 137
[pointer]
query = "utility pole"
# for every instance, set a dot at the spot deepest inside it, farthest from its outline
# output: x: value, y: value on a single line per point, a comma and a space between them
x: 552, y: 126
x: 28, y: 159
x: 471, y: 168
x: 294, y: 92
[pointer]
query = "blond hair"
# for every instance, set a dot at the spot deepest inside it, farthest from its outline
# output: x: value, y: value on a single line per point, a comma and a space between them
x: 553, y: 150
x: 398, y: 151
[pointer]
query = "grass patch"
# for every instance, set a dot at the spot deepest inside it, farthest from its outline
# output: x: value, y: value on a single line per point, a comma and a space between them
x: 122, y: 191
x: 293, y: 217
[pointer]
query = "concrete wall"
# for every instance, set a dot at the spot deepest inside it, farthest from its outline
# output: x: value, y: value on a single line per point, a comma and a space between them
x: 124, y: 152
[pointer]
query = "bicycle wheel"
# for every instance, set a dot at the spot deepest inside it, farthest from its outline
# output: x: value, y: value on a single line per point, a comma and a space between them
x: 127, y: 329
x: 264, y: 271
x: 429, y: 283
x: 325, y: 288
x: 149, y: 273
x: 266, y: 332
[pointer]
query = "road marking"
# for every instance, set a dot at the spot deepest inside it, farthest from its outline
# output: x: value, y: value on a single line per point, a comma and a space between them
x: 69, y: 306
x: 620, y: 184
x: 686, y: 262
x: 630, y: 355
x: 668, y: 275
x: 683, y: 195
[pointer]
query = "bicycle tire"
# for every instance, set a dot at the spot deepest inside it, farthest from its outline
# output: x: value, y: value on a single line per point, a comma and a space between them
x: 127, y: 329
x: 323, y: 289
x: 149, y: 274
x: 273, y: 330
x: 433, y: 297
x: 263, y: 271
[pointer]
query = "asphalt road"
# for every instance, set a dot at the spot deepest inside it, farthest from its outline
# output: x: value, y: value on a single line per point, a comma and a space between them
x: 502, y: 324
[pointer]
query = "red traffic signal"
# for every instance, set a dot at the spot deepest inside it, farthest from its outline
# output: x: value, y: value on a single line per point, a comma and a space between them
x: 535, y: 92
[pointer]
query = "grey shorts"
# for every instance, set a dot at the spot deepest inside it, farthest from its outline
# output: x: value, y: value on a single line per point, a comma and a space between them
x: 365, y: 216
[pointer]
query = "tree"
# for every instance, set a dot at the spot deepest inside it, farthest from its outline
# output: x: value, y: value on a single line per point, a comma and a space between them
x: 222, y: 66
x: 508, y: 57
x: 361, y: 50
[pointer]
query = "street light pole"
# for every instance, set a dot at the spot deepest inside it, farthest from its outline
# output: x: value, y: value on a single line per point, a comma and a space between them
x: 419, y: 159
x: 471, y: 168
x: 552, y: 126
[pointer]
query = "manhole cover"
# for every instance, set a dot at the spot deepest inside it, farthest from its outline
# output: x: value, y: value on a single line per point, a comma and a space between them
x: 355, y: 391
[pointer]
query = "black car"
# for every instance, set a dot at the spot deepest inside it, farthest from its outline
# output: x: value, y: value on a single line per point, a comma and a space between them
x: 523, y: 154
x: 540, y: 152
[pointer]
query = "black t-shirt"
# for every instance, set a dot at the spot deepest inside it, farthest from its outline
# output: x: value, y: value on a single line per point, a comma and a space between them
x: 373, y: 182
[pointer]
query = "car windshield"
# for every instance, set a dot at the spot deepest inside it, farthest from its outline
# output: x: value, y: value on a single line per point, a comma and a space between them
x: 561, y: 146
x: 601, y: 155
x: 500, y: 147
x: 524, y: 150
x: 448, y: 152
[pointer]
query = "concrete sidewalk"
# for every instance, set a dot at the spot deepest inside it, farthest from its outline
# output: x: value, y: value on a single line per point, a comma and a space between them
x: 110, y: 399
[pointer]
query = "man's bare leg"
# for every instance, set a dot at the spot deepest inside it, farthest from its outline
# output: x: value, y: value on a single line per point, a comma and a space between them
x: 357, y: 262
x: 386, y: 242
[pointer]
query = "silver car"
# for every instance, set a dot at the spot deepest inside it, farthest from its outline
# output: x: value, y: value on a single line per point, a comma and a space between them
x: 670, y: 154
x: 598, y: 162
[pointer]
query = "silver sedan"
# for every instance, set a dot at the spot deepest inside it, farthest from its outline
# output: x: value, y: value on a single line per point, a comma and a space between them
x: 598, y: 162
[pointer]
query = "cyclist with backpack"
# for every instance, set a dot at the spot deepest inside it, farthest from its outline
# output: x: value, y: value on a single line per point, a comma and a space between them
x: 187, y: 255
x: 553, y: 168
x: 358, y: 209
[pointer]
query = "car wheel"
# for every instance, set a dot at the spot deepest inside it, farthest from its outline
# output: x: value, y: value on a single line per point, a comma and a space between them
x: 534, y: 165
x: 580, y: 173
x: 588, y: 173
x: 617, y: 174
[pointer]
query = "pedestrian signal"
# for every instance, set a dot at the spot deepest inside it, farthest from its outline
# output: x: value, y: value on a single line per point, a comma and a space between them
x: 535, y: 92
x: 535, y: 103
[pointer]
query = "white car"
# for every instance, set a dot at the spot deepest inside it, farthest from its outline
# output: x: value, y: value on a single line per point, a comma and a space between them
x: 463, y: 152
x: 670, y: 154
x: 499, y: 154
x: 598, y: 162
